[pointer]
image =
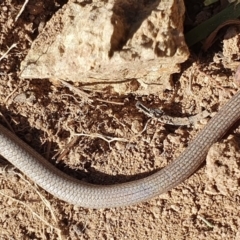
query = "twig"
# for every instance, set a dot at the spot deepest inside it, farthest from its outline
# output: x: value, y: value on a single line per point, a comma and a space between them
x: 111, y: 102
x: 44, y: 200
x: 6, y: 121
x: 21, y: 10
x: 105, y: 138
x: 205, y: 221
x: 76, y: 90
x: 6, y: 53
x: 86, y: 95
x: 66, y: 149
x: 34, y: 213
x: 108, y: 139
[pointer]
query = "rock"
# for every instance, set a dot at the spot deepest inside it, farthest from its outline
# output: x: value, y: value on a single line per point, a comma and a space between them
x: 123, y: 45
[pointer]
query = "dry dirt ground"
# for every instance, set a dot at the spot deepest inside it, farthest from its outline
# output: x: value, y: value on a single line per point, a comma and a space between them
x: 47, y: 116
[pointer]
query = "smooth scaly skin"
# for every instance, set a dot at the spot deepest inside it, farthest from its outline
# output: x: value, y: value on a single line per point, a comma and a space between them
x: 87, y: 195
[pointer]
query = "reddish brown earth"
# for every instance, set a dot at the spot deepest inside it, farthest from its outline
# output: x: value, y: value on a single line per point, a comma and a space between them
x: 48, y: 115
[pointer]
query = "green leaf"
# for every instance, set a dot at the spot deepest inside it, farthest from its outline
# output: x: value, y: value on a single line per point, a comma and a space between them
x: 204, y: 29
